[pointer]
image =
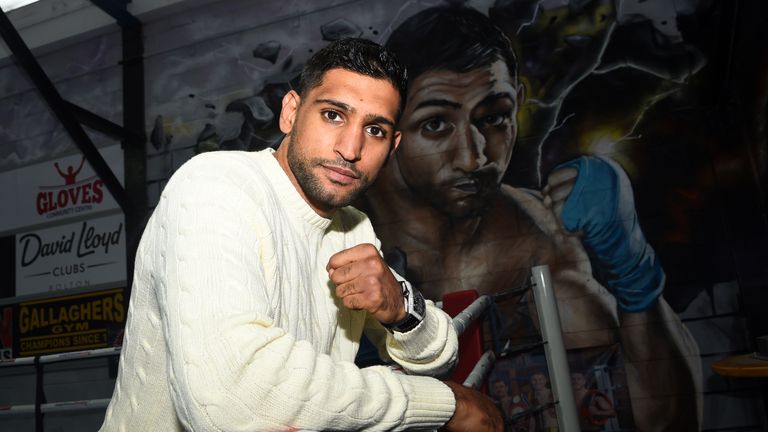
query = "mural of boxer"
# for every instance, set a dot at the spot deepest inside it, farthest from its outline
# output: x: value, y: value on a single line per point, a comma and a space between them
x: 442, y: 202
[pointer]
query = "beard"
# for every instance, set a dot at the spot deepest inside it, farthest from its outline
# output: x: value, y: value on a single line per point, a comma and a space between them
x: 302, y: 168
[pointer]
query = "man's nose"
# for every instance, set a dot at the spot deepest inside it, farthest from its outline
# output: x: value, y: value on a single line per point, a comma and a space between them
x: 349, y: 144
x: 469, y: 151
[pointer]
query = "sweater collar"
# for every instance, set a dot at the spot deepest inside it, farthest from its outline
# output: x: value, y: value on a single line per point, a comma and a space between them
x: 290, y: 196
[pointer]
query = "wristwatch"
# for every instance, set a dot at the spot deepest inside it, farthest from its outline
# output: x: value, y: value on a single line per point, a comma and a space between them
x: 415, y: 309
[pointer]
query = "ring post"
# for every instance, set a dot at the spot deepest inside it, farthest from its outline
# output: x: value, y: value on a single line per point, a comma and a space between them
x: 557, y: 362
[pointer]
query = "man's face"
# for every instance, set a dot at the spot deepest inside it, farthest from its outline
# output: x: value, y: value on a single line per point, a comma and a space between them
x: 538, y: 381
x: 578, y: 381
x: 500, y: 389
x: 340, y: 134
x: 459, y: 130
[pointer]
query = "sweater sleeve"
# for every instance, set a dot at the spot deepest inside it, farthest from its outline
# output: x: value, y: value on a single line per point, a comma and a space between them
x: 230, y: 367
x: 431, y: 348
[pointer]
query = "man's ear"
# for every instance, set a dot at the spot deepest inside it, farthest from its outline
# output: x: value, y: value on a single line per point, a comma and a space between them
x: 395, y: 142
x: 291, y: 102
x: 520, y: 94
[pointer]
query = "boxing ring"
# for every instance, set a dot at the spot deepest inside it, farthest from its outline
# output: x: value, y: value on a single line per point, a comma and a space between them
x: 551, y: 342
x: 41, y: 407
x: 473, y: 364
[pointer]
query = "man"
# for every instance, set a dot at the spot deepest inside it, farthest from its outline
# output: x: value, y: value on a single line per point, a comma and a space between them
x: 441, y: 201
x: 255, y: 280
x: 500, y: 393
x: 511, y: 405
x: 595, y: 407
x: 540, y: 394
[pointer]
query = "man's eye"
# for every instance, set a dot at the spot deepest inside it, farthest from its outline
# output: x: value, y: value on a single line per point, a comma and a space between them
x: 493, y: 120
x: 332, y: 116
x: 376, y: 131
x: 434, y: 125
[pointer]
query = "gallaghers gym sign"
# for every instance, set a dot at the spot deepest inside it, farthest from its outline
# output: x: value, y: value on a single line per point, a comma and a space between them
x: 71, y: 323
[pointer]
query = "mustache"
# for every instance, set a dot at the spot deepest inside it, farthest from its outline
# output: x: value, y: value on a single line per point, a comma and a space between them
x: 485, y: 176
x: 341, y: 163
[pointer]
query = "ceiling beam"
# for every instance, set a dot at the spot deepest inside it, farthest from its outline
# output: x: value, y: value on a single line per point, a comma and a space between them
x: 61, y: 110
x: 102, y: 125
x: 117, y: 10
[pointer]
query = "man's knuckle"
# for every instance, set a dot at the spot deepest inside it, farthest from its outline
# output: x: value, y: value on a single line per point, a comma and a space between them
x: 371, y: 282
x: 373, y: 263
x: 376, y: 297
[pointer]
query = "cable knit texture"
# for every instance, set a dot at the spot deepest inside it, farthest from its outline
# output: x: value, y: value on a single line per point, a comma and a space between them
x: 233, y: 324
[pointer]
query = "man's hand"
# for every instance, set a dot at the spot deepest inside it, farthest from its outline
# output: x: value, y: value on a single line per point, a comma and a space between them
x: 364, y: 282
x: 474, y: 411
x: 557, y: 189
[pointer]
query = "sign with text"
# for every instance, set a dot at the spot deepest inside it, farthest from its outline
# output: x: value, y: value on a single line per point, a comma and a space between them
x: 56, y: 190
x: 71, y: 323
x: 6, y: 332
x: 75, y: 255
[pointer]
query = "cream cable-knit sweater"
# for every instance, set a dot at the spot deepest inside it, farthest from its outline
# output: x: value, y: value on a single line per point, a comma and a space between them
x: 233, y: 325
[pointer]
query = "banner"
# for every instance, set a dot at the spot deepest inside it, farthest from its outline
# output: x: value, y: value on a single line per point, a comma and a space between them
x: 6, y: 332
x: 71, y: 323
x: 75, y: 255
x: 56, y: 190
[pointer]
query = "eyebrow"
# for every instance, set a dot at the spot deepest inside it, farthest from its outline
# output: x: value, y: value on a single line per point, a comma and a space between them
x: 451, y: 104
x: 438, y: 102
x: 338, y: 104
x: 369, y: 118
x: 500, y: 95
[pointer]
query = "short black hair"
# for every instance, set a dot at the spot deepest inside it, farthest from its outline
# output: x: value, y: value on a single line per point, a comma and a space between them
x: 357, y: 55
x: 453, y: 38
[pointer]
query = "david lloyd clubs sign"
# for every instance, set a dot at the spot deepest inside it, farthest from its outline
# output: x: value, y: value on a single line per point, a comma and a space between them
x: 80, y: 254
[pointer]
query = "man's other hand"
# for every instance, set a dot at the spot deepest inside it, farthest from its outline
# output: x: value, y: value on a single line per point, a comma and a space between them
x: 474, y: 411
x: 364, y: 282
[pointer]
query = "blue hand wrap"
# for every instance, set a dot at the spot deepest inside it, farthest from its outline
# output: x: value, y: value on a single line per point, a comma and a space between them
x: 602, y: 207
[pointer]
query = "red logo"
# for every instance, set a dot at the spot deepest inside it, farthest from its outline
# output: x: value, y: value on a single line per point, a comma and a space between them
x: 72, y: 193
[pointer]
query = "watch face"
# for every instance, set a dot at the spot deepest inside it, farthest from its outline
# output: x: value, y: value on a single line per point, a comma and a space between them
x: 419, y: 306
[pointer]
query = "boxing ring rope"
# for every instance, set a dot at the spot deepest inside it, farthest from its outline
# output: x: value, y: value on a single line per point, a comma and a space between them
x: 471, y: 313
x: 60, y: 357
x: 552, y: 342
x: 69, y: 406
x: 39, y: 407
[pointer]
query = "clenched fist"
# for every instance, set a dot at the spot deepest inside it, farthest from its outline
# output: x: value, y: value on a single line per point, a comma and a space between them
x: 475, y: 412
x: 365, y: 282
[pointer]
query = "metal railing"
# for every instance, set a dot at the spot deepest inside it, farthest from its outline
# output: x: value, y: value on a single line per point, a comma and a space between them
x: 41, y: 407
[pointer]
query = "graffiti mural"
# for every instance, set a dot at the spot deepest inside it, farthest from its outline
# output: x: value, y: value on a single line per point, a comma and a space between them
x: 442, y: 201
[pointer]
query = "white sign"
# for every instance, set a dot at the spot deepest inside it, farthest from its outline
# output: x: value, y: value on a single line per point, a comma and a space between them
x: 56, y: 190
x: 81, y: 254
